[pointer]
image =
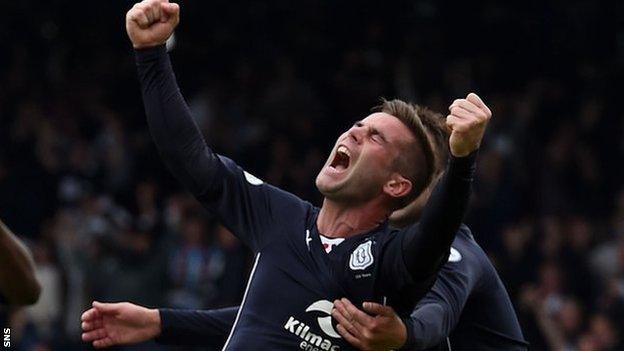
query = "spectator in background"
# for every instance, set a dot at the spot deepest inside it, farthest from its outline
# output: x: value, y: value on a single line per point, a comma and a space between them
x: 228, y: 262
x: 190, y: 266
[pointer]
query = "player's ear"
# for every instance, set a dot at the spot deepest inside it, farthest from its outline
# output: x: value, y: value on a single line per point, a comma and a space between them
x: 397, y: 186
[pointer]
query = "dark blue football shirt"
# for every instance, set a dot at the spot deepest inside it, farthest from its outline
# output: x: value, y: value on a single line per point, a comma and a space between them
x: 288, y: 299
x: 468, y: 308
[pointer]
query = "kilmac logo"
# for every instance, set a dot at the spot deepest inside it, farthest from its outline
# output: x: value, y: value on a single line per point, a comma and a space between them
x: 311, y: 341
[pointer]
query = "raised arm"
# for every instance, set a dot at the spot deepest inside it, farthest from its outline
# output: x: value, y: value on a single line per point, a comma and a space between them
x: 18, y: 284
x: 177, y: 137
x: 425, y: 245
x: 426, y: 248
x: 249, y: 208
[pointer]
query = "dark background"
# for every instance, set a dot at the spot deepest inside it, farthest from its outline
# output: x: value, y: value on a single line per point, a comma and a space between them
x: 272, y: 84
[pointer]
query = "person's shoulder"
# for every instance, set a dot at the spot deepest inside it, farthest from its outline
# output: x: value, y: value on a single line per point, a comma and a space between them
x: 288, y: 198
x: 465, y: 253
x: 464, y: 241
x: 474, y: 255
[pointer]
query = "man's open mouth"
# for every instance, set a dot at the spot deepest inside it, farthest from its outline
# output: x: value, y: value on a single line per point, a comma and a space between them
x: 341, y: 159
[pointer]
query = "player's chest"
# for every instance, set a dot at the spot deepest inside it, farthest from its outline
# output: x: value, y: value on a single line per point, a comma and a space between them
x: 349, y: 270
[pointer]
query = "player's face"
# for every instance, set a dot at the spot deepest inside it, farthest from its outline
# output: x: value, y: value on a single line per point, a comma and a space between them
x: 362, y: 160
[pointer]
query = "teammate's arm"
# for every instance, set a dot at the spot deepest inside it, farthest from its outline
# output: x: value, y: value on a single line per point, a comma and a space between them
x: 378, y: 327
x: 124, y: 323
x: 425, y: 245
x: 242, y: 203
x: 437, y: 314
x: 196, y: 327
x: 18, y: 284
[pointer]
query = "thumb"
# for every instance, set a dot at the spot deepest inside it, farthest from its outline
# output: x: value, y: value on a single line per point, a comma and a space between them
x: 377, y: 309
x: 109, y: 308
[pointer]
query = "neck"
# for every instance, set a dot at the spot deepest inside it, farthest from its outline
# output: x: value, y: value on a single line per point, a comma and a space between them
x: 338, y: 220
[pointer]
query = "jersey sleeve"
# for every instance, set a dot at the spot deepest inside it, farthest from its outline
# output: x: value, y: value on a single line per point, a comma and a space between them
x: 242, y: 202
x: 196, y: 327
x: 413, y: 256
x: 437, y: 314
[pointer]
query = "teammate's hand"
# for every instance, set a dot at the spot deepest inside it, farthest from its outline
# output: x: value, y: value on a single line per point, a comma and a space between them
x: 151, y: 22
x: 384, y: 330
x: 108, y: 324
x: 467, y: 121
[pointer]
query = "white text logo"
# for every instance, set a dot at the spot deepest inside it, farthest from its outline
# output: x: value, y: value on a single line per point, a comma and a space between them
x: 7, y: 337
x: 311, y: 341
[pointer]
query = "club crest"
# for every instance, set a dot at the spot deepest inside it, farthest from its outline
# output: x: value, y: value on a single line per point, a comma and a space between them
x: 362, y: 256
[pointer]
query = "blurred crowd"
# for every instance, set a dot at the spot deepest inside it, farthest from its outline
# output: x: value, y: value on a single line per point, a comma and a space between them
x: 271, y: 85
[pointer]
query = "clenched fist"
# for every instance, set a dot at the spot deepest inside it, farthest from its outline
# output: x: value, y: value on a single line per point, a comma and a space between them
x: 467, y: 122
x: 151, y: 22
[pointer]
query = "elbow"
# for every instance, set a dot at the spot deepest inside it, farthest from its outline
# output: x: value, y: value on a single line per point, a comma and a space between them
x: 429, y: 329
x: 33, y: 294
x: 29, y: 295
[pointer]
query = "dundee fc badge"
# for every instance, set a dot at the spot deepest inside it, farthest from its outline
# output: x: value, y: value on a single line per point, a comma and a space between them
x: 362, y: 256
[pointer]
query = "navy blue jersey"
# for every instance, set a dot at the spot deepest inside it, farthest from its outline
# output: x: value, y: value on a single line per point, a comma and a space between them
x: 467, y: 309
x: 293, y: 282
x: 288, y: 299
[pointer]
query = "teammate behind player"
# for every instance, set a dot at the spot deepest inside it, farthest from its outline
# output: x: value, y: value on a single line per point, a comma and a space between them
x: 468, y: 307
x: 377, y: 166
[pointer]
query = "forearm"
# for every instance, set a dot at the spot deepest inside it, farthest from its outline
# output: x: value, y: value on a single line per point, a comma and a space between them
x: 427, y: 327
x: 173, y: 129
x: 427, y: 248
x: 18, y: 283
x: 196, y: 327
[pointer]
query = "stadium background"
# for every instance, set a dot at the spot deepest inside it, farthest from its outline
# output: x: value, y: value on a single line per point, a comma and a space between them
x: 272, y: 83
